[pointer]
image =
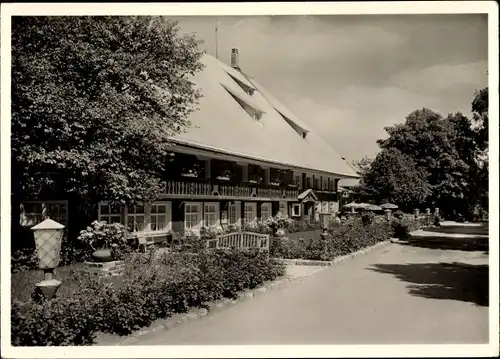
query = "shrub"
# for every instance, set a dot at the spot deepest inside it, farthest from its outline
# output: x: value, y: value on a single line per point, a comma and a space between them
x: 399, y: 228
x: 367, y: 217
x: 256, y: 227
x: 436, y: 220
x: 23, y: 260
x: 347, y: 237
x: 398, y: 214
x: 279, y: 221
x: 153, y: 286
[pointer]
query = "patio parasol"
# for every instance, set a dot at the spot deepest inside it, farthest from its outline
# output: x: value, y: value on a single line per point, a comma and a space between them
x: 371, y: 207
x: 353, y: 205
x: 389, y: 206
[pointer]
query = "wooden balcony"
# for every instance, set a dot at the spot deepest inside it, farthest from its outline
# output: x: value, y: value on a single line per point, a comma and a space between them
x: 182, y: 189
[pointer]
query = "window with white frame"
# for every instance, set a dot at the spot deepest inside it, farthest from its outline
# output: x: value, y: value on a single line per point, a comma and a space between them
x: 283, y: 208
x: 210, y: 214
x: 324, y: 207
x: 265, y: 211
x: 34, y: 212
x: 296, y: 209
x: 192, y: 215
x: 297, y: 180
x: 159, y: 216
x: 231, y: 213
x: 110, y: 213
x: 250, y: 209
x: 136, y: 218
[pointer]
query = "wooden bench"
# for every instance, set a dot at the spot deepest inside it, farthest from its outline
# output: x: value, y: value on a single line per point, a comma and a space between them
x: 158, y: 240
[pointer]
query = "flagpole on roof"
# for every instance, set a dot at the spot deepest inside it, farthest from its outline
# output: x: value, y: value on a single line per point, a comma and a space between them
x: 216, y: 39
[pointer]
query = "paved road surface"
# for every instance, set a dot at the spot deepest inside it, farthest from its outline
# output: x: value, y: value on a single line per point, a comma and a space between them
x: 418, y: 293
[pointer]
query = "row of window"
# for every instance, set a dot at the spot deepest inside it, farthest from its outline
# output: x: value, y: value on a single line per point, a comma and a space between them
x: 156, y: 217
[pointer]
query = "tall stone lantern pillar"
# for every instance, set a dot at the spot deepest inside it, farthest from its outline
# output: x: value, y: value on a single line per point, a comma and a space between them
x: 48, y: 237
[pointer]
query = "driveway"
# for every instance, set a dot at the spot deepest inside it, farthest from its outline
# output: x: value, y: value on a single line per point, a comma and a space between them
x: 430, y: 290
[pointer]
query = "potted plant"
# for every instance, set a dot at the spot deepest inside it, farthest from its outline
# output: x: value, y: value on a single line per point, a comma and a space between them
x: 279, y: 224
x: 105, y: 240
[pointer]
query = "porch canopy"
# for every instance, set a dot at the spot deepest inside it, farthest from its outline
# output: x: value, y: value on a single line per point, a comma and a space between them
x: 308, y: 196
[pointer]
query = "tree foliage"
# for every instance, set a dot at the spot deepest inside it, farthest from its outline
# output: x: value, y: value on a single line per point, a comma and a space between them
x: 94, y: 103
x: 430, y: 160
x: 362, y: 166
x: 395, y: 177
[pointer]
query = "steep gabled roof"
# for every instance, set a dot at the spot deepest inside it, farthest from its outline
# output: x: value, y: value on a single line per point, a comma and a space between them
x: 223, y: 124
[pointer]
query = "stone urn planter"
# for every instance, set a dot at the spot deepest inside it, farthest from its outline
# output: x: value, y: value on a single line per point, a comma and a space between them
x: 280, y: 233
x: 102, y: 255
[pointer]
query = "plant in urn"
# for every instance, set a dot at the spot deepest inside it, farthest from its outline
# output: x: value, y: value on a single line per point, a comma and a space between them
x: 48, y: 237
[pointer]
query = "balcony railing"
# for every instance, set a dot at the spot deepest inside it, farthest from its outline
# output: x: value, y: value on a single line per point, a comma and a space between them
x: 243, y: 190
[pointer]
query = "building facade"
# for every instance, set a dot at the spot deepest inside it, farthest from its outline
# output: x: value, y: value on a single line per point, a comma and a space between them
x: 245, y: 158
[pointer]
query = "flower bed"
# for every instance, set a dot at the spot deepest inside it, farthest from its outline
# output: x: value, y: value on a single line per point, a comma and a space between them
x: 151, y: 288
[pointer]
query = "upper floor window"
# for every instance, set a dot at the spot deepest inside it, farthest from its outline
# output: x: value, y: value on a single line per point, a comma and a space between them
x: 256, y: 174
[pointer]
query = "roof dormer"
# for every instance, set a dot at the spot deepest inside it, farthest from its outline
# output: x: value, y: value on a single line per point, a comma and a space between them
x: 300, y: 130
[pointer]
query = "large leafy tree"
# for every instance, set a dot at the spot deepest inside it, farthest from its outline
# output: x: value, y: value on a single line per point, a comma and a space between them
x: 396, y: 178
x: 447, y: 154
x: 95, y: 101
x: 431, y: 141
x: 480, y: 114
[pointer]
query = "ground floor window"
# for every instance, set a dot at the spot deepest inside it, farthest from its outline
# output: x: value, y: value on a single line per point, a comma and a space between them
x: 136, y: 218
x: 155, y: 217
x: 265, y: 211
x: 232, y: 213
x: 283, y: 208
x: 160, y: 216
x: 110, y: 213
x: 34, y: 212
x: 324, y: 207
x: 250, y: 212
x: 211, y: 214
x: 334, y: 207
x: 192, y: 215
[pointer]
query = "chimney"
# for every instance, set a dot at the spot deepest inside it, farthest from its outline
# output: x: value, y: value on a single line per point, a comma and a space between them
x: 235, y: 59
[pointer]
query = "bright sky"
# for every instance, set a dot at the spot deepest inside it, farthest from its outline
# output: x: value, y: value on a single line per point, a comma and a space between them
x: 349, y: 76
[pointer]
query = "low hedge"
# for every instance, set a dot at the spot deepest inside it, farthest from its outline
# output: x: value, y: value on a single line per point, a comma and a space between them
x: 153, y: 287
x: 344, y: 238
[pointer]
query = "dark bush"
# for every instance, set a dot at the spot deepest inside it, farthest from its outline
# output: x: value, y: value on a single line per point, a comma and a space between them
x: 367, y: 217
x: 153, y: 286
x: 400, y: 229
x: 398, y: 214
x: 348, y: 237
